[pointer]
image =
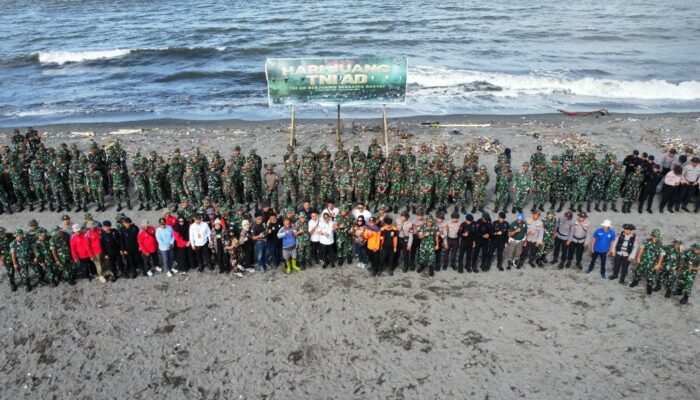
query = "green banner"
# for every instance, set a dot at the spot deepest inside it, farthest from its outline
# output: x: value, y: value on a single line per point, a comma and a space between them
x: 331, y: 81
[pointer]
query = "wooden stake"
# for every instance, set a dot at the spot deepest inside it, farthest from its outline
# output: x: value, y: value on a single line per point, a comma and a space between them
x: 337, y: 129
x: 293, y: 133
x: 386, y: 133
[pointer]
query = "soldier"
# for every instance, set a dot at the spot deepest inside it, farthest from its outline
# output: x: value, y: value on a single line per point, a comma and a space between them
x: 303, y: 241
x: 95, y: 187
x: 362, y: 185
x: 668, y: 265
x: 648, y: 259
x: 425, y: 189
x: 257, y: 169
x: 632, y: 190
x: 200, y: 166
x: 5, y: 206
x: 19, y: 185
x: 307, y: 181
x: 429, y: 244
x: 550, y: 226
x: 358, y: 159
x: 578, y: 194
x: 538, y: 158
x: 442, y: 186
x: 39, y: 185
x: 326, y: 186
x: 59, y: 244
x: 345, y: 184
x: 59, y: 196
x: 502, y: 160
x: 119, y: 188
x: 77, y: 186
x: 290, y: 181
x: 503, y: 189
x: 343, y: 235
x: 597, y: 187
x: 6, y: 258
x: 396, y: 184
x: 138, y: 166
x: 457, y: 188
x: 480, y: 181
x: 612, y: 191
x: 192, y: 184
x: 382, y: 185
x: 271, y: 186
x: 540, y: 186
x: 43, y: 259
x: 689, y: 269
x: 159, y: 171
x: 410, y: 190
x: 561, y: 187
x: 214, y: 184
x: 21, y: 253
x: 374, y: 150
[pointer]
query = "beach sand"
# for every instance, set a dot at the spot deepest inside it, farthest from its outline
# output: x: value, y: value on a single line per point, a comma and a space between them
x: 533, y: 333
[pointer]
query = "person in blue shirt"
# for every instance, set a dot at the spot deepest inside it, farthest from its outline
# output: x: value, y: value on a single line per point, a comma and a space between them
x: 166, y: 243
x: 289, y: 245
x: 601, y: 246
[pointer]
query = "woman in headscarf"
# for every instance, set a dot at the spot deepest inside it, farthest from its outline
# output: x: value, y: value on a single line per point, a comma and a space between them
x: 358, y: 235
x: 247, y: 245
x: 184, y: 257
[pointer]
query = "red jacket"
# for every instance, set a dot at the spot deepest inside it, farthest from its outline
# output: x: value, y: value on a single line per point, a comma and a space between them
x: 147, y: 240
x: 171, y: 222
x: 179, y: 241
x: 80, y: 246
x: 93, y: 236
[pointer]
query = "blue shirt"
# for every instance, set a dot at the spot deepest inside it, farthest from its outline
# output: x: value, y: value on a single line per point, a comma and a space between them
x: 603, y: 240
x: 165, y: 237
x: 288, y: 238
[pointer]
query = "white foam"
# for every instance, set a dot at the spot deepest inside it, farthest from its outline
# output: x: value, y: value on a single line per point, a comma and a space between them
x: 62, y: 57
x: 443, y: 79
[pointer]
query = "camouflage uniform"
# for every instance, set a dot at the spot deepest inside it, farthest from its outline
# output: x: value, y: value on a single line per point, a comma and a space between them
x: 550, y: 227
x: 578, y: 194
x: 650, y: 254
x: 119, y: 189
x: 668, y: 275
x: 158, y: 172
x: 345, y: 185
x: 612, y: 191
x: 596, y: 192
x: 250, y: 182
x: 426, y: 250
x: 442, y: 186
x: 39, y: 185
x: 307, y: 181
x: 425, y: 187
x: 290, y: 181
x: 633, y: 187
x: 381, y: 185
x: 522, y: 183
x: 326, y: 187
x: 686, y: 277
x: 396, y: 186
x: 362, y: 185
x: 480, y: 181
x: 303, y: 243
x: 6, y: 258
x: 23, y: 253
x: 77, y: 186
x: 236, y: 163
x: 343, y: 235
x: 95, y: 186
x: 19, y: 186
x: 43, y: 259
x: 214, y: 184
x: 271, y: 186
x: 193, y: 185
x: 502, y: 197
x: 140, y: 183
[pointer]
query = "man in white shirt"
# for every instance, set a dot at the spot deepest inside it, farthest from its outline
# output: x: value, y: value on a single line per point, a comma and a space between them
x: 199, y: 240
x: 625, y: 249
x: 326, y: 240
x: 533, y: 238
x: 314, y: 236
x: 361, y: 210
x: 331, y: 210
x: 691, y: 175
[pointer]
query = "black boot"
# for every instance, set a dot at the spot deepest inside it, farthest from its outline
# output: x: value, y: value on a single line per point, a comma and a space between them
x: 141, y: 207
x: 613, y: 207
x: 597, y: 207
x: 420, y: 269
x: 541, y: 207
x: 341, y: 262
x: 13, y: 285
x: 555, y: 261
x: 579, y: 209
x: 588, y: 207
x: 119, y: 207
x: 640, y: 210
x: 649, y: 210
x: 42, y: 208
x: 500, y: 266
x: 684, y: 300
x: 657, y: 287
x: 561, y: 206
x: 495, y: 210
x: 612, y: 277
x: 634, y: 282
x: 431, y: 272
x: 561, y: 265
x: 78, y: 209
x: 28, y: 287
x: 668, y: 294
x: 460, y: 268
x: 54, y: 281
x: 31, y: 208
x: 649, y: 289
x: 128, y: 205
x: 605, y: 206
x: 512, y: 210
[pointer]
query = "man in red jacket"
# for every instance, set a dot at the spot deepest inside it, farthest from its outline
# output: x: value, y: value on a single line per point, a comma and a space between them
x: 94, y: 235
x: 148, y: 245
x: 82, y: 252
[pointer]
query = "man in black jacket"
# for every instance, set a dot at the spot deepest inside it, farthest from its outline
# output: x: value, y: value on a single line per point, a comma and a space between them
x: 652, y: 178
x: 111, y: 257
x: 499, y: 239
x: 129, y: 246
x: 466, y: 243
x: 482, y: 231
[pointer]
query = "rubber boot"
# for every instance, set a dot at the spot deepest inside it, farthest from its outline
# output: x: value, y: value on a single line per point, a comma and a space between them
x: 289, y: 266
x: 119, y: 207
x: 28, y: 286
x: 42, y: 207
x: 54, y: 281
x: 13, y: 285
x: 128, y: 205
x: 684, y: 300
x: 431, y: 272
x: 657, y: 287
x: 500, y: 266
x: 612, y: 207
x: 141, y: 207
x: 561, y: 206
x: 649, y: 289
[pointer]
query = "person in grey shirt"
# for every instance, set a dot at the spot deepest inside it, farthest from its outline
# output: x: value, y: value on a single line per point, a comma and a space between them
x: 565, y: 224
x: 405, y: 240
x: 578, y: 238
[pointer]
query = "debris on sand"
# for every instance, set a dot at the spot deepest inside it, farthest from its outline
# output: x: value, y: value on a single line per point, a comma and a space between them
x: 82, y: 134
x: 659, y: 137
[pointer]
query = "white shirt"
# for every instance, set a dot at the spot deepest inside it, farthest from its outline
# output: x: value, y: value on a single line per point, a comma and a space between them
x: 332, y: 211
x: 366, y: 214
x: 691, y: 173
x: 199, y: 234
x: 325, y: 232
x: 315, y: 237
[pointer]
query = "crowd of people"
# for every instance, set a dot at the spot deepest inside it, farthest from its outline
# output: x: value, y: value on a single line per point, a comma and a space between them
x: 210, y: 223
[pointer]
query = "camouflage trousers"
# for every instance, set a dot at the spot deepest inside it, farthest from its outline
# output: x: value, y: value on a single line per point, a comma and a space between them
x: 304, y: 254
x: 520, y: 198
x: 344, y: 246
x: 426, y: 256
x: 686, y: 280
x: 668, y: 278
x: 645, y: 271
x: 273, y: 197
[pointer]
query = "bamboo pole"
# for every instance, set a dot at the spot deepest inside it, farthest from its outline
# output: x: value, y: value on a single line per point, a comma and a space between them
x: 386, y: 133
x: 337, y: 129
x: 293, y: 133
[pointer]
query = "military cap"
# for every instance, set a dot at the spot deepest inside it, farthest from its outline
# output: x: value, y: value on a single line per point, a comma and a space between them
x: 87, y: 216
x: 656, y: 233
x: 2, y: 230
x: 303, y: 215
x: 41, y: 231
x: 430, y: 219
x: 19, y: 231
x: 33, y: 222
x: 678, y: 241
x: 695, y: 247
x: 629, y: 226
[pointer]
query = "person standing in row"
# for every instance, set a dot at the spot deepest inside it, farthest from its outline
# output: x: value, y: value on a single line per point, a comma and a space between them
x: 601, y: 247
x: 625, y: 251
x: 689, y: 187
x: 648, y: 259
x: 482, y: 231
x: 466, y: 244
x: 289, y: 245
x: 82, y: 252
x: 405, y: 240
x: 111, y: 259
x: 326, y: 230
x: 671, y: 189
x: 199, y: 241
x: 533, y: 238
x: 373, y: 238
x: 576, y: 242
x: 500, y: 229
x: 516, y: 236
x: 430, y: 242
x: 166, y: 244
x: 389, y: 244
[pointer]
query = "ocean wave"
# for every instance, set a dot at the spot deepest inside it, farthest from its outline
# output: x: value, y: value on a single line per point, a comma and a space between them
x: 238, y: 76
x: 64, y: 57
x: 426, y: 77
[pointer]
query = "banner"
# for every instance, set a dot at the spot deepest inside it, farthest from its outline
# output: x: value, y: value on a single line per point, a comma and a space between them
x: 331, y: 81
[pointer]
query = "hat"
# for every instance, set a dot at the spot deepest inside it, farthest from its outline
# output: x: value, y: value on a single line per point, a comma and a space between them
x: 161, y: 221
x: 76, y: 227
x: 629, y: 226
x: 583, y: 214
x: 144, y: 222
x: 106, y: 223
x: 606, y: 223
x: 19, y: 231
x: 678, y: 241
x: 2, y: 230
x: 501, y: 214
x: 345, y: 208
x: 65, y: 218
x: 41, y: 231
x: 568, y: 214
x: 430, y: 219
x: 33, y: 222
x: 470, y: 217
x: 87, y: 216
x: 539, y: 147
x: 695, y: 160
x: 656, y: 233
x: 519, y: 216
x: 302, y: 215
x: 404, y: 214
x: 695, y: 247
